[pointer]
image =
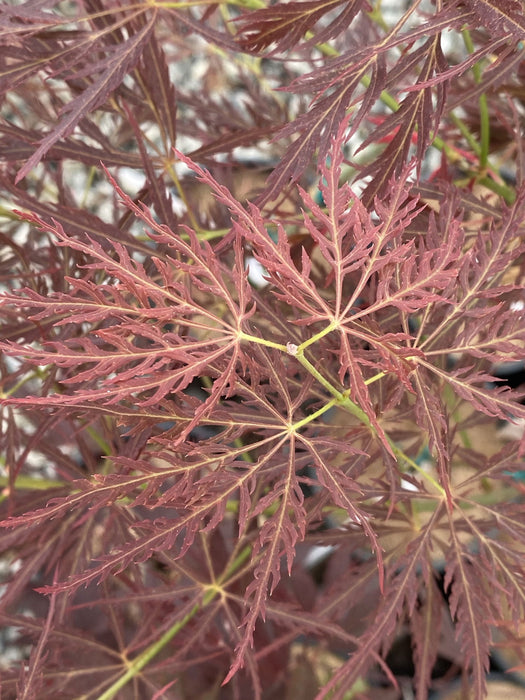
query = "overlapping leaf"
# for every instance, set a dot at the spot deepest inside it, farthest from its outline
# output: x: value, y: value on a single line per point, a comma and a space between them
x: 286, y: 25
x: 111, y: 71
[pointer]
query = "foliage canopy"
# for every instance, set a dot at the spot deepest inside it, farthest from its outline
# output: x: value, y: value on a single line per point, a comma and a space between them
x: 179, y: 437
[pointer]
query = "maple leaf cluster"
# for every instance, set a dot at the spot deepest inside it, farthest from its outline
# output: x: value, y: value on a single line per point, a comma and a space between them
x: 250, y: 409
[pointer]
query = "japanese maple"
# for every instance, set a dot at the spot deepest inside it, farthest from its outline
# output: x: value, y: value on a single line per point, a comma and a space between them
x: 242, y: 438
